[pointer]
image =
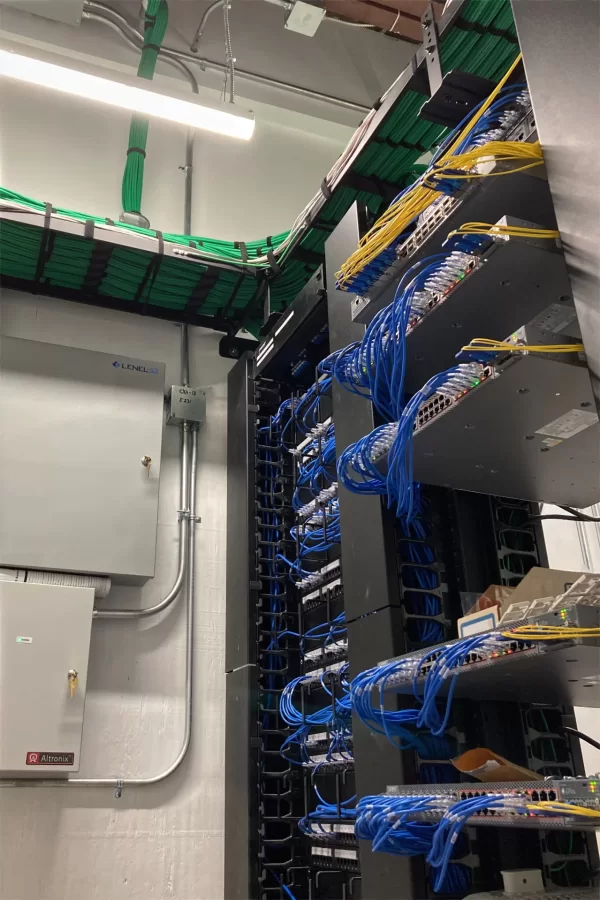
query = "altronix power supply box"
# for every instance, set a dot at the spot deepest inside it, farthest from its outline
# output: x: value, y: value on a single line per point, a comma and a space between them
x: 80, y: 452
x: 44, y: 649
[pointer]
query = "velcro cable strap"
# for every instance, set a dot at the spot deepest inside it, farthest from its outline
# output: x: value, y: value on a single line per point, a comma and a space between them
x: 273, y: 262
x: 48, y: 214
x: 240, y: 245
x: 46, y: 243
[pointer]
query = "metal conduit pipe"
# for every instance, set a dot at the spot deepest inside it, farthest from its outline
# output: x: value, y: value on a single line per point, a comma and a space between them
x: 101, y: 13
x: 200, y: 29
x: 284, y: 4
x: 185, y: 356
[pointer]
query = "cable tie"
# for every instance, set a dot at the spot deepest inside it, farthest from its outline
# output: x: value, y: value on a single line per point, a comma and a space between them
x: 139, y: 150
x: 88, y: 229
x: 154, y: 47
x: 161, y: 243
x: 325, y: 189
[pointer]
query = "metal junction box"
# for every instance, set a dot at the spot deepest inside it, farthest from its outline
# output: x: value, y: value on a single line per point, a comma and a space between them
x: 44, y: 636
x: 80, y: 448
x: 186, y: 404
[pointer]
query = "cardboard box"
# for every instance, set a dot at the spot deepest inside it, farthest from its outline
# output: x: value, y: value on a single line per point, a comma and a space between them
x: 538, y: 583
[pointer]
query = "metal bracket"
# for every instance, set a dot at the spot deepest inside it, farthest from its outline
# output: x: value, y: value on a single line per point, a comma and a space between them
x: 432, y: 50
x: 119, y: 789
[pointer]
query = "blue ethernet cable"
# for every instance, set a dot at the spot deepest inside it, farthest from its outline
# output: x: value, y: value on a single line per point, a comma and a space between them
x: 282, y: 885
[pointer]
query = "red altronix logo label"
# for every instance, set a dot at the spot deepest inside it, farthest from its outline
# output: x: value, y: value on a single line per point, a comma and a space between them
x: 44, y: 758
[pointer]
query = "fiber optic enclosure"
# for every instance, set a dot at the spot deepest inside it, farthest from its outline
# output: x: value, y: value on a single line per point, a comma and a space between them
x: 80, y: 453
x: 44, y: 647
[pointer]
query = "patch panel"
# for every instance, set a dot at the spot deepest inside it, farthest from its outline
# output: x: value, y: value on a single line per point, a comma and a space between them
x: 320, y: 501
x: 328, y: 762
x: 323, y: 594
x: 321, y: 740
x: 336, y: 857
x: 322, y: 576
x: 333, y: 669
x: 337, y: 650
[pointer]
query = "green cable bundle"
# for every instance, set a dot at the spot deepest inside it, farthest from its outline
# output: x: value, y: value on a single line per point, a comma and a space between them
x: 155, y: 27
x: 483, y: 41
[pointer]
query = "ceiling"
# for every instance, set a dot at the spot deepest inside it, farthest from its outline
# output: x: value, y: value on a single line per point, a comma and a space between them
x: 340, y: 61
x: 398, y: 18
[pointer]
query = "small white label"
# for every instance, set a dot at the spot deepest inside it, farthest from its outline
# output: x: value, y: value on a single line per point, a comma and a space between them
x: 555, y: 318
x: 551, y: 442
x: 570, y: 424
x: 24, y: 640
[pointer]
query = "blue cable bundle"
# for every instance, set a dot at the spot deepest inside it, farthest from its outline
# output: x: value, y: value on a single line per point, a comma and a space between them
x: 312, y: 824
x: 386, y: 821
x: 393, y: 723
x: 325, y: 632
x: 319, y: 471
x: 358, y: 465
x: 335, y: 717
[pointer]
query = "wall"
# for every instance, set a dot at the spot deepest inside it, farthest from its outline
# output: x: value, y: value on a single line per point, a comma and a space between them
x: 164, y: 841
x: 71, y: 153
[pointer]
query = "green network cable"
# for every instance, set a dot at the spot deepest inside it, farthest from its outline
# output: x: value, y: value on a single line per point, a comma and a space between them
x: 156, y: 20
x: 483, y: 41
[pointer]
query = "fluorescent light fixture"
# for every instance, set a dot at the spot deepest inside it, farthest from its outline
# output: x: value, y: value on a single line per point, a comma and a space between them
x: 219, y: 118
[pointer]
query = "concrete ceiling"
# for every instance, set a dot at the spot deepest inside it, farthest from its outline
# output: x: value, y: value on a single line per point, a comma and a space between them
x: 353, y: 64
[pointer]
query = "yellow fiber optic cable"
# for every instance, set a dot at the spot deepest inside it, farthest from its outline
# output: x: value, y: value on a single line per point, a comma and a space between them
x: 492, y: 346
x: 395, y: 220
x: 567, y: 809
x: 506, y: 230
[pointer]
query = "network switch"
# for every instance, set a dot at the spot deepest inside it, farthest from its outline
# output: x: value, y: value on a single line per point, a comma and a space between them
x: 578, y: 791
x: 528, y: 429
x: 522, y: 194
x: 557, y: 671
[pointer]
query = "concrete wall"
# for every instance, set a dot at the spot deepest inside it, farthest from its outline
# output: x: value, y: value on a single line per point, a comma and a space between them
x: 165, y: 841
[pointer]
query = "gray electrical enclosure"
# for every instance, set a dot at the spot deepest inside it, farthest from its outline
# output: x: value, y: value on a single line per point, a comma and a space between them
x: 80, y: 453
x: 44, y: 645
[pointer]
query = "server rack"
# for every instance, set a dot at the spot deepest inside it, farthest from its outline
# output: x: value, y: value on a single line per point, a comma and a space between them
x: 398, y: 590
x: 467, y: 542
